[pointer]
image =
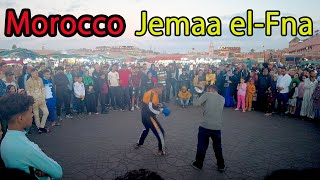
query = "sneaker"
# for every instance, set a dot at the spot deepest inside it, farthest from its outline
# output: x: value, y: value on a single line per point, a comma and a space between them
x: 122, y: 110
x: 97, y: 113
x: 237, y: 109
x: 196, y: 166
x: 57, y: 124
x: 89, y: 113
x: 243, y: 110
x: 59, y: 118
x: 69, y: 116
x: 39, y: 131
x: 137, y: 146
x: 44, y: 130
x: 221, y: 169
x: 132, y: 109
x: 137, y: 106
x: 161, y: 153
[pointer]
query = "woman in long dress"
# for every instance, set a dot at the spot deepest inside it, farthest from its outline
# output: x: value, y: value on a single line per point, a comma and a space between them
x: 229, y: 101
x: 307, y: 105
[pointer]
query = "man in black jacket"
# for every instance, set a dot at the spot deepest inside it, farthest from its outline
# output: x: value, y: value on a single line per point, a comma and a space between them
x: 96, y: 76
x: 61, y: 83
x: 264, y: 82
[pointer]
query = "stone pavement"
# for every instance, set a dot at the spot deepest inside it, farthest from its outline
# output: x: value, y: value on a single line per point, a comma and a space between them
x: 101, y: 146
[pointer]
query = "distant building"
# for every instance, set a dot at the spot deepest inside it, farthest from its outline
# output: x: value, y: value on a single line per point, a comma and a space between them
x: 308, y: 48
x: 211, y: 50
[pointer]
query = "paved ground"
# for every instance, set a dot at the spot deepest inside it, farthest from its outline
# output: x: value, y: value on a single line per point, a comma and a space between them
x: 100, y: 146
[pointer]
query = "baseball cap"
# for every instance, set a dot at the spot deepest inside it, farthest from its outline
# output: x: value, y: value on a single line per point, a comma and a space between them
x: 9, y: 73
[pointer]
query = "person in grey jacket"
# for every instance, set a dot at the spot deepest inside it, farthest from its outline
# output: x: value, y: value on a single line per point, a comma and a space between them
x: 210, y: 127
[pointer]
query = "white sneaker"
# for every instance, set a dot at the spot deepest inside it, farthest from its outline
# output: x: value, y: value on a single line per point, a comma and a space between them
x: 137, y: 106
x: 243, y: 110
x: 237, y: 109
x: 132, y: 109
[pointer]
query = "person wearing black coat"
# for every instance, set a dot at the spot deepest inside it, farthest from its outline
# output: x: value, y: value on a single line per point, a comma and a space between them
x: 63, y: 95
x: 264, y: 82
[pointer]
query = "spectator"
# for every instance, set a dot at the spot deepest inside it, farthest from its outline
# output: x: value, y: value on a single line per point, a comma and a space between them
x: 17, y: 151
x: 42, y: 69
x: 184, y: 97
x: 124, y: 76
x: 307, y: 104
x: 149, y: 83
x: 3, y: 69
x: 61, y: 83
x: 264, y: 82
x: 96, y: 78
x: 36, y: 89
x: 104, y: 90
x: 9, y: 79
x: 242, y: 89
x: 162, y: 79
x: 113, y: 78
x: 251, y: 90
x: 79, y: 93
x: 283, y: 84
x: 90, y: 97
x: 50, y: 96
x: 135, y: 83
x: 293, y: 94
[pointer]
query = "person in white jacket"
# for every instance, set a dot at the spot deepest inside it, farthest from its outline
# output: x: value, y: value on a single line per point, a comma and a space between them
x: 283, y: 84
x: 79, y: 92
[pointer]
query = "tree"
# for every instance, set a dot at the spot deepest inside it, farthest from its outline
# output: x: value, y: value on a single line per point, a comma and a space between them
x: 14, y: 46
x: 252, y: 50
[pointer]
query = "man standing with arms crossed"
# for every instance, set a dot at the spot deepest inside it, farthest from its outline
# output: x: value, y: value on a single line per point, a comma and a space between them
x: 210, y: 127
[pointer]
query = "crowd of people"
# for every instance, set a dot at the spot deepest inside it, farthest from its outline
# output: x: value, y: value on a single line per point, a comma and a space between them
x: 90, y: 89
x: 86, y: 88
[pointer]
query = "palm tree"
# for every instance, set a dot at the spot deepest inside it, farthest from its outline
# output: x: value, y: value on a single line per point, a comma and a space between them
x: 252, y: 50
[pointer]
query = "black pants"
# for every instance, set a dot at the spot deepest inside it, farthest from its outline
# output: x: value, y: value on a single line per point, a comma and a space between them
x: 115, y: 96
x: 104, y: 102
x: 80, y: 105
x: 63, y: 97
x: 151, y: 122
x: 125, y: 97
x: 203, y: 142
x: 282, y: 102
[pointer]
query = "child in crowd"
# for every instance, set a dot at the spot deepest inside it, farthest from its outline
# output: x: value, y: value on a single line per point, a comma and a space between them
x: 293, y: 94
x: 103, y: 86
x: 50, y: 96
x: 270, y: 99
x: 91, y: 100
x: 79, y: 93
x: 242, y: 89
x: 316, y: 102
x: 11, y: 89
x: 184, y: 97
x: 251, y: 90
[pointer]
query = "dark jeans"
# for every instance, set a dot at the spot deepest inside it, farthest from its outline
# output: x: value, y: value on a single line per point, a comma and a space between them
x: 80, y: 105
x: 203, y: 142
x: 125, y: 97
x: 172, y: 83
x: 104, y: 98
x: 115, y: 96
x: 164, y: 96
x: 151, y: 122
x: 282, y: 102
x: 262, y: 101
x: 63, y: 97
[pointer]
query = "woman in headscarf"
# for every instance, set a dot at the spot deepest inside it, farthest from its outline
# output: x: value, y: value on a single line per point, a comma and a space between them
x: 90, y: 97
